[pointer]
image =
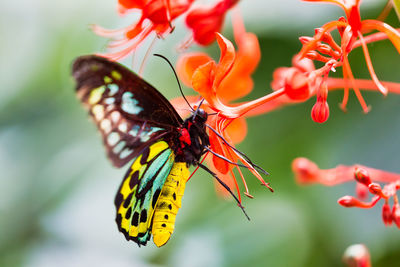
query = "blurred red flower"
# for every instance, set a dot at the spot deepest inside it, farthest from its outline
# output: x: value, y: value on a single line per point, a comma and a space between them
x: 156, y: 16
x: 307, y: 172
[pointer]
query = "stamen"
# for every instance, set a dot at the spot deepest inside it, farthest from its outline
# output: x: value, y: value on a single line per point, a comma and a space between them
x: 370, y: 67
x: 355, y: 88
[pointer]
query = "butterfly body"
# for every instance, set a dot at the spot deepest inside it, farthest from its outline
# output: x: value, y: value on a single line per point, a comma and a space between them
x: 169, y: 202
x: 138, y: 123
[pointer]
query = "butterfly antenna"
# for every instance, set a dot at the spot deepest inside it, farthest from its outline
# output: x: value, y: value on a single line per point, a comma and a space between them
x: 225, y: 186
x: 176, y: 76
x: 237, y: 151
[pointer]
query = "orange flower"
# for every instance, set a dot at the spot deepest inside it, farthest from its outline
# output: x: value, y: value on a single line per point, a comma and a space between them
x: 218, y: 84
x: 156, y: 16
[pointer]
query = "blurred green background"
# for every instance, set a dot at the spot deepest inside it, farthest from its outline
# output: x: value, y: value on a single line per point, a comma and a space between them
x: 57, y: 187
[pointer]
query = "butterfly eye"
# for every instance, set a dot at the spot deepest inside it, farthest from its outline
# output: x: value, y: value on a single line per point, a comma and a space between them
x: 202, y: 115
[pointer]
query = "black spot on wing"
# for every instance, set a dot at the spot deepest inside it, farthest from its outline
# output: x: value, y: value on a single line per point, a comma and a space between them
x: 145, y: 155
x: 174, y: 196
x: 143, y: 216
x: 166, y: 216
x: 128, y: 200
x: 135, y: 219
x: 118, y: 199
x: 170, y: 207
x: 128, y: 214
x: 134, y: 179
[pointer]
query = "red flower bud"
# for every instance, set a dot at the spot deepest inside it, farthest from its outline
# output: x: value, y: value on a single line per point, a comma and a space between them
x: 320, y: 111
x: 349, y: 202
x: 362, y: 176
x: 396, y: 214
x: 361, y: 191
x: 375, y: 189
x: 387, y: 215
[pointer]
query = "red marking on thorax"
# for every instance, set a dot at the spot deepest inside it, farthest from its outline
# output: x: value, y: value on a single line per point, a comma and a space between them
x: 185, y: 137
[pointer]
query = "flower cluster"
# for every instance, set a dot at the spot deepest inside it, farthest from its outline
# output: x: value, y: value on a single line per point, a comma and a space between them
x: 302, y: 80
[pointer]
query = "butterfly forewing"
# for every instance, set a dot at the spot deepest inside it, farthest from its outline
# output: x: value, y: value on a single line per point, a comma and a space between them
x: 139, y: 192
x: 128, y: 111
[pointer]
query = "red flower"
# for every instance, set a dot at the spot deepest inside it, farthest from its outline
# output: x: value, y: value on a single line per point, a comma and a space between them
x: 156, y: 16
x: 206, y: 21
x: 307, y: 172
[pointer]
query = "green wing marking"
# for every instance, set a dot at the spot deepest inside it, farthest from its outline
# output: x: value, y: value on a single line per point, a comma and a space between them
x: 140, y: 190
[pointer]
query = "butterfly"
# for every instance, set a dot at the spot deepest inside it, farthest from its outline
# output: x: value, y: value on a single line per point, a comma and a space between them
x: 138, y: 124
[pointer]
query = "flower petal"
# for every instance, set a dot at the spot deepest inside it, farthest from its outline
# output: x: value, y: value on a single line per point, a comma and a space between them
x: 202, y: 80
x: 226, y: 60
x: 188, y: 63
x: 237, y: 130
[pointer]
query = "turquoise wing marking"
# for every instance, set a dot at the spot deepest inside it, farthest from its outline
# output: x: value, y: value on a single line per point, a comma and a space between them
x: 140, y: 190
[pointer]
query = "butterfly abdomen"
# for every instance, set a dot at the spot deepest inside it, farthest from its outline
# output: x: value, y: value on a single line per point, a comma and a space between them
x: 168, y: 204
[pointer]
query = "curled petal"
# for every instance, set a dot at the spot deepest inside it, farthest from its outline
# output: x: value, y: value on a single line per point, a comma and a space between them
x: 188, y: 63
x: 226, y: 59
x: 238, y: 81
x: 202, y: 80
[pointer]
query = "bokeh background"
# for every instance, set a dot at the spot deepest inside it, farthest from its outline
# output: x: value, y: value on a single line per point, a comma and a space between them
x: 57, y: 187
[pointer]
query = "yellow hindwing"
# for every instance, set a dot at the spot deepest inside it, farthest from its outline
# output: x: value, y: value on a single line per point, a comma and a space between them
x: 168, y: 204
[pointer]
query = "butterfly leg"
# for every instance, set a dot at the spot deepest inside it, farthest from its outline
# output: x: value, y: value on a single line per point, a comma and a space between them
x: 224, y: 185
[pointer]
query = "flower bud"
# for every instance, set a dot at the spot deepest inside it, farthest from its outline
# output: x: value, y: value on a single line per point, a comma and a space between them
x: 361, y: 191
x: 349, y: 202
x: 320, y: 111
x: 362, y: 176
x: 387, y: 214
x: 396, y: 214
x: 375, y: 189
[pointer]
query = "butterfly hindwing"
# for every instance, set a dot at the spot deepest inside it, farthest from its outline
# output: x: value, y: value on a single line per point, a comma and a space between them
x: 128, y: 111
x: 139, y: 192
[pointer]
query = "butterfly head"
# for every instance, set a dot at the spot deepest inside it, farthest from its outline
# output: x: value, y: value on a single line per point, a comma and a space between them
x: 200, y: 116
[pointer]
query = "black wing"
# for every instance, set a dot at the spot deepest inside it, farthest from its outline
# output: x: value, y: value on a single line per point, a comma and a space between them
x: 129, y: 112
